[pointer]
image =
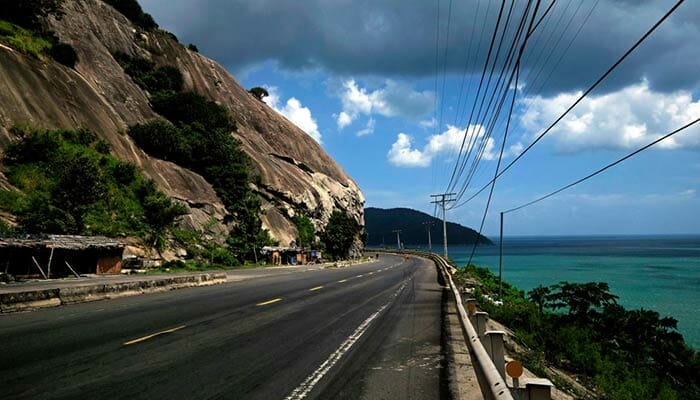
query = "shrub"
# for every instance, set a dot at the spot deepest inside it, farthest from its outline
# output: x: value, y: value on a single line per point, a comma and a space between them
x: 163, y: 140
x: 149, y: 77
x: 259, y: 93
x: 133, y: 11
x: 190, y: 107
x: 193, y: 47
x: 65, y: 54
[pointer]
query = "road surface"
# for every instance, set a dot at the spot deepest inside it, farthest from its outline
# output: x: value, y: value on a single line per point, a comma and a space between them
x: 368, y: 331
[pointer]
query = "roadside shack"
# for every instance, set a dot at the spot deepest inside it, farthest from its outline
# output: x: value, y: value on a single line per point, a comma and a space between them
x: 55, y: 256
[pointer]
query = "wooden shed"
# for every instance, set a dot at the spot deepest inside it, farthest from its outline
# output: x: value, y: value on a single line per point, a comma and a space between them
x: 53, y: 256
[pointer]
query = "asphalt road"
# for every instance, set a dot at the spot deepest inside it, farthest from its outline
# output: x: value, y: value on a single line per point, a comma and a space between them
x: 368, y: 331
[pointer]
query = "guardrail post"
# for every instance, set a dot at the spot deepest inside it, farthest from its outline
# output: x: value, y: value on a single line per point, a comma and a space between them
x: 471, y: 310
x: 539, y: 389
x: 481, y: 318
x: 496, y: 351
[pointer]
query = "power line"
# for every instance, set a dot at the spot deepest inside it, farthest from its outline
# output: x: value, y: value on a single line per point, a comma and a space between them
x: 605, y: 168
x: 481, y: 81
x: 586, y: 93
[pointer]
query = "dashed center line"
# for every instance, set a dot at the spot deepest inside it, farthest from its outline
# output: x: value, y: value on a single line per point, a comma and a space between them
x: 359, y: 276
x: 342, y: 281
x: 264, y: 303
x: 315, y: 288
x: 141, y: 339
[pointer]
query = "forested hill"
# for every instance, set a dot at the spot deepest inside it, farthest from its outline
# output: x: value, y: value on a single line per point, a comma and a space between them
x: 381, y: 222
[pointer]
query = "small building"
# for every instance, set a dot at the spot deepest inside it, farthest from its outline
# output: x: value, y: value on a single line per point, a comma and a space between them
x: 277, y: 255
x: 54, y: 256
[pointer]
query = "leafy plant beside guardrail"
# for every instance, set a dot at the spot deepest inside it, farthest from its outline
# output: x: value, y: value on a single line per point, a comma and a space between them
x: 580, y: 327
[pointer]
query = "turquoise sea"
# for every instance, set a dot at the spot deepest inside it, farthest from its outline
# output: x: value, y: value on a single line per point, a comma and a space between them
x: 660, y: 273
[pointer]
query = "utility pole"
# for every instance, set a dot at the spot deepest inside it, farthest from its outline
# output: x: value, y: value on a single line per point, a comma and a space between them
x: 429, y: 227
x: 444, y: 198
x: 398, y: 238
x: 500, y: 263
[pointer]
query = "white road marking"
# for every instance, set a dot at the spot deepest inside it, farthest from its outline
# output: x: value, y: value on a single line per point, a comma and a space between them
x: 307, y: 386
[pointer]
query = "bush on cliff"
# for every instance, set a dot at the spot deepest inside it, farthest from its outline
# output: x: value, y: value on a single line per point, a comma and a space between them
x: 69, y: 187
x: 133, y: 11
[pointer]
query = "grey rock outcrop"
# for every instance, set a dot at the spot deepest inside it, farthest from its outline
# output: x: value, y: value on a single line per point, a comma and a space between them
x: 296, y: 173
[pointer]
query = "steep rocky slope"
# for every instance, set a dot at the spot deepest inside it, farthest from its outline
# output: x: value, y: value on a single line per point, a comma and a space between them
x: 296, y: 173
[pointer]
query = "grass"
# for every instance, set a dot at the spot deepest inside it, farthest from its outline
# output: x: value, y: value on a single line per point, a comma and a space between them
x: 24, y: 40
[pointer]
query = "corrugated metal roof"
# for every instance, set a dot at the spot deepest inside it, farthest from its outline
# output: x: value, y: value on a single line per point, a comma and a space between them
x: 68, y: 242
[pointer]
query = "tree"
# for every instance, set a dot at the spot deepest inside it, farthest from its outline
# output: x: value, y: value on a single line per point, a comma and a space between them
x: 340, y: 234
x: 193, y: 47
x: 306, y: 231
x: 259, y: 93
x: 581, y: 298
x: 539, y: 296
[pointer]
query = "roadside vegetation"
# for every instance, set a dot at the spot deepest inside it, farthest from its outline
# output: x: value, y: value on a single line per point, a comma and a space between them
x: 340, y: 233
x: 580, y: 328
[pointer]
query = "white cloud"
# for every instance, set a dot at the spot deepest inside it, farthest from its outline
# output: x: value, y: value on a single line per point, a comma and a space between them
x: 295, y: 112
x: 403, y: 154
x: 394, y: 99
x: 428, y: 123
x: 368, y: 129
x: 626, y: 119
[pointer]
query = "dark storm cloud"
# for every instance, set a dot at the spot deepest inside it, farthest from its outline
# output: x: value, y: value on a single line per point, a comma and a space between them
x: 396, y: 38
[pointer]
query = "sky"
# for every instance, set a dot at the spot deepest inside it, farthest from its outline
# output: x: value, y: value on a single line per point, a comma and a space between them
x: 387, y: 87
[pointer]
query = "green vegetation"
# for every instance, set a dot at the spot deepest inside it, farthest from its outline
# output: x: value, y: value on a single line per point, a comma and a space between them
x: 197, y: 136
x: 133, y: 11
x: 193, y: 47
x: 306, y: 231
x: 339, y: 234
x: 23, y: 40
x: 579, y: 327
x: 149, y: 77
x: 259, y: 93
x: 69, y: 184
x: 29, y: 13
x: 21, y: 29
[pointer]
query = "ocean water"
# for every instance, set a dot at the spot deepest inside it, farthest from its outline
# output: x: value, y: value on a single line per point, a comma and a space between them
x: 661, y: 273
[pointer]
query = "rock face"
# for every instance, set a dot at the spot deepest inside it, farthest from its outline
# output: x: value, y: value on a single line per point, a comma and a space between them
x: 296, y: 173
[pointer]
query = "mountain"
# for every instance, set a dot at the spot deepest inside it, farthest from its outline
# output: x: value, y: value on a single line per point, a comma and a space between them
x: 380, y: 224
x: 295, y: 173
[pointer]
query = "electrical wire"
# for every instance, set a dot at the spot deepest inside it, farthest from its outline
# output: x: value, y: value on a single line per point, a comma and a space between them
x: 605, y: 168
x: 580, y: 98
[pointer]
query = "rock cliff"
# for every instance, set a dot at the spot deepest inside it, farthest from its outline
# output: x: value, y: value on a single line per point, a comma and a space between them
x: 296, y: 173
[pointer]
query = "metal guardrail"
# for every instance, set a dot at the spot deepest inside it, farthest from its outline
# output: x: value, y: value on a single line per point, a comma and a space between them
x: 487, y: 346
x: 496, y: 384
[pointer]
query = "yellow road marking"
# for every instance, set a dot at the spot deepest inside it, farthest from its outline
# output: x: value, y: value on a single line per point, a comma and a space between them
x: 370, y: 273
x: 141, y: 339
x: 315, y: 288
x: 359, y: 276
x: 264, y: 303
x: 342, y: 280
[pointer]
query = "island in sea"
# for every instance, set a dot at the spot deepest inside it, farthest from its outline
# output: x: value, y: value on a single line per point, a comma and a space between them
x: 381, y: 225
